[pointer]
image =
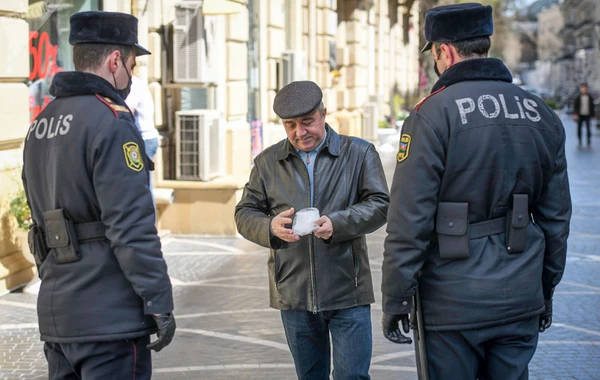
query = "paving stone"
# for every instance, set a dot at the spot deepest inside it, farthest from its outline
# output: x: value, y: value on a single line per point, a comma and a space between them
x: 227, y: 331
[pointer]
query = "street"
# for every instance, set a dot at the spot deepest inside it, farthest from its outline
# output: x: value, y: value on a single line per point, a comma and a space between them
x: 227, y: 331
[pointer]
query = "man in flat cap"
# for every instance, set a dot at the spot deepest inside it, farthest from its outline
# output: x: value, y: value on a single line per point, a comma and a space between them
x: 480, y: 209
x: 105, y: 287
x: 321, y: 281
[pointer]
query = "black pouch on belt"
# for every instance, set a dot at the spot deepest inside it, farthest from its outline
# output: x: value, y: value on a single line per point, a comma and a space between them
x: 61, y: 236
x: 517, y: 220
x: 452, y: 230
x: 37, y: 245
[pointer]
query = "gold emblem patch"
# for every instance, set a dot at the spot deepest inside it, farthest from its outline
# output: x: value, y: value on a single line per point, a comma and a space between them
x: 404, y: 148
x: 133, y: 158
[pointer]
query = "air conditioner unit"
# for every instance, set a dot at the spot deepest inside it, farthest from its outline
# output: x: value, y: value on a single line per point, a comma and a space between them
x: 196, y: 40
x: 370, y: 121
x: 292, y: 67
x: 199, y: 145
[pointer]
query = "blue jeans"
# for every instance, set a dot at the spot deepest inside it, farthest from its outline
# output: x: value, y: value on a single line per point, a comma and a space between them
x: 151, y: 148
x: 308, y: 338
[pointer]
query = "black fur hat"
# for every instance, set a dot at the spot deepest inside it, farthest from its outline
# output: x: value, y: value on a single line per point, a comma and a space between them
x: 450, y: 23
x: 107, y: 28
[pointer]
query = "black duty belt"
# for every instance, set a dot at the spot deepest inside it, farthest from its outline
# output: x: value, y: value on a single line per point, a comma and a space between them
x: 482, y: 229
x: 90, y: 231
x: 86, y: 232
x: 487, y: 228
x: 63, y: 236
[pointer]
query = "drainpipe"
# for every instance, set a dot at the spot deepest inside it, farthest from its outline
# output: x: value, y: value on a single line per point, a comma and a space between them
x: 312, y: 40
x: 263, y: 41
x: 380, y: 56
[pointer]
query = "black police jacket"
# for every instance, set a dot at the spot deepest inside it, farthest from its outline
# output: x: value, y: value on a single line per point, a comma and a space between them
x: 83, y: 154
x: 350, y: 188
x: 478, y: 139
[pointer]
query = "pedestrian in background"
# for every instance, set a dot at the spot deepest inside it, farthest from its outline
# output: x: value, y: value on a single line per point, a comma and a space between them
x: 141, y: 104
x: 104, y: 283
x: 583, y: 109
x: 480, y: 209
x: 321, y: 281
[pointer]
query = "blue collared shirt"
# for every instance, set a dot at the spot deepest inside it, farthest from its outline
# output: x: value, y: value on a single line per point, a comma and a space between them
x: 309, y: 161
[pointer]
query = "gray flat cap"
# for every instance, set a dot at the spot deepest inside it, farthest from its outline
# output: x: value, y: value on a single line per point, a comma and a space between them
x: 297, y: 99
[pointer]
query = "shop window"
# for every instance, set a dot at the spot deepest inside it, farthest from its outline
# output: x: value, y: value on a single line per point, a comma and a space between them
x: 49, y: 48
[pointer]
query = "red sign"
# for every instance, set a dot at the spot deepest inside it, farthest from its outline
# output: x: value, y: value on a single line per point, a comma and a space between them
x: 43, y: 68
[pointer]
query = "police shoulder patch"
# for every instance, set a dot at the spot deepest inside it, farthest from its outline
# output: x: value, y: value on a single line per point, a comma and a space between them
x: 404, y: 147
x: 133, y: 158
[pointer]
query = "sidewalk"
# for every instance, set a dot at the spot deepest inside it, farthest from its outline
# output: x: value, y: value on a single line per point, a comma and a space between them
x: 227, y: 331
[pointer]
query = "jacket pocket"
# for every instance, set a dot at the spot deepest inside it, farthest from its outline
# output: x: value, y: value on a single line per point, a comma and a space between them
x: 452, y: 229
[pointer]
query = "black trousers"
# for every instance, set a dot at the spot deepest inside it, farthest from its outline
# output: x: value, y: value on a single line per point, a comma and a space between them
x: 122, y: 360
x: 492, y: 353
x: 580, y: 121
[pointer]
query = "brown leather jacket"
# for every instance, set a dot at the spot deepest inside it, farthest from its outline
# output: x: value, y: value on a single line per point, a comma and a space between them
x: 350, y: 188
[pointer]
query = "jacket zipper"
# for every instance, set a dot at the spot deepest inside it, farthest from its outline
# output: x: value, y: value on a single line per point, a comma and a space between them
x: 312, y: 243
x: 311, y: 253
x: 312, y: 274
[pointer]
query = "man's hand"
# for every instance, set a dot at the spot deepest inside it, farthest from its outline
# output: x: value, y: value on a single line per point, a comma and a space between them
x: 575, y: 117
x: 325, y: 229
x: 391, y: 329
x: 546, y: 316
x: 166, y: 331
x: 278, y: 228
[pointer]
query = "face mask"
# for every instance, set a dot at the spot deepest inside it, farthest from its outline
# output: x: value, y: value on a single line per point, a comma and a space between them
x: 125, y: 91
x: 437, y: 72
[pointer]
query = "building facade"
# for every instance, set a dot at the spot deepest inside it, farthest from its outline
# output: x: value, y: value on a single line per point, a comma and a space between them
x: 581, y: 45
x: 569, y: 47
x: 214, y: 72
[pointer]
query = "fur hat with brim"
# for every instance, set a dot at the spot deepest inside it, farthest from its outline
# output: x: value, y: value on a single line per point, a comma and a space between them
x: 451, y: 23
x: 105, y: 28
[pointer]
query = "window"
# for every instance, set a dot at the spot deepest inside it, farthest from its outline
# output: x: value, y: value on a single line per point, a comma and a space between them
x: 49, y: 48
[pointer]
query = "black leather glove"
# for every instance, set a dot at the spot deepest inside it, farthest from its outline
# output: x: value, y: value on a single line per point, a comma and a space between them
x: 166, y: 331
x: 391, y: 329
x: 546, y: 316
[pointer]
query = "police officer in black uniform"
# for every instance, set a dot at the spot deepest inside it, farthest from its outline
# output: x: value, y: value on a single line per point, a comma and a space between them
x: 480, y: 209
x: 105, y: 287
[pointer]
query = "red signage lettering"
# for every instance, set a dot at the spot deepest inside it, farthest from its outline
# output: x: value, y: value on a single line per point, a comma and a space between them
x: 43, y: 68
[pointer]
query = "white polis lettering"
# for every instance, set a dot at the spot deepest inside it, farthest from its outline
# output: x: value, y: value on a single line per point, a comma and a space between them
x: 507, y: 114
x: 467, y: 106
x: 51, y: 133
x: 31, y: 128
x: 482, y: 109
x: 531, y: 105
x: 64, y: 129
x: 464, y: 111
x: 49, y: 130
x: 520, y: 108
x: 39, y: 132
